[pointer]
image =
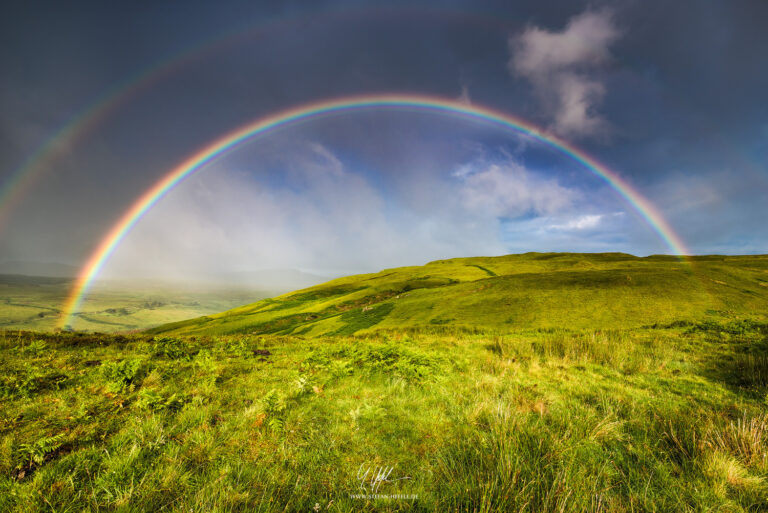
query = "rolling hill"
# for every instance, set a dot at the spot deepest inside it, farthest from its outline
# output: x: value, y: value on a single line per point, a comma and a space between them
x: 526, y: 291
x: 481, y: 384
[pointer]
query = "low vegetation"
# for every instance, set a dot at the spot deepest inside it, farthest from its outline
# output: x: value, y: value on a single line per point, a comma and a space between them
x: 538, y: 382
x: 513, y: 292
x: 664, y: 418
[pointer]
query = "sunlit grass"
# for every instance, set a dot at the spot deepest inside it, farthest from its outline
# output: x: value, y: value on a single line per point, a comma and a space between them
x: 551, y: 291
x: 557, y: 420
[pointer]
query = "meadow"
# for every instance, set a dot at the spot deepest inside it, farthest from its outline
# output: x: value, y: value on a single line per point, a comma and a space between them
x: 660, y: 419
x: 34, y: 303
x: 628, y: 393
x: 512, y: 292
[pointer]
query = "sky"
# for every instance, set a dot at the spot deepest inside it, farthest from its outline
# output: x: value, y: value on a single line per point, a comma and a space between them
x: 99, y: 100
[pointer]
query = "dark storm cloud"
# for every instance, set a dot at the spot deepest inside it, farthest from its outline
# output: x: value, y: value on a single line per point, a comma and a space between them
x: 682, y: 90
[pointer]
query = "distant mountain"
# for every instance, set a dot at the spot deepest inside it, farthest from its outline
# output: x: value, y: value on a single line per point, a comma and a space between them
x: 49, y: 269
x: 529, y: 291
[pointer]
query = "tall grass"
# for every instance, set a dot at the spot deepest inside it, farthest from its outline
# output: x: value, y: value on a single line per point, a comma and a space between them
x: 539, y: 421
x: 617, y: 349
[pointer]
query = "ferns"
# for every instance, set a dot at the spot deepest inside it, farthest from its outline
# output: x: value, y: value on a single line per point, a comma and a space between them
x: 534, y: 421
x: 21, y: 383
x: 122, y: 375
x: 39, y: 449
x: 155, y: 401
x: 205, y: 361
x: 29, y: 380
x: 35, y: 348
x: 274, y: 407
x: 398, y: 360
x: 171, y: 348
x: 303, y: 386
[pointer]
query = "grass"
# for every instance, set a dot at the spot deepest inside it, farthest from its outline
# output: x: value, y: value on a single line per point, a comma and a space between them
x: 529, y: 420
x: 537, y: 382
x: 529, y: 291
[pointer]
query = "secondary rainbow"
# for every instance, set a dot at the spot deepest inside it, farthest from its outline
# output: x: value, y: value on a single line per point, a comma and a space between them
x: 312, y: 110
x: 79, y: 126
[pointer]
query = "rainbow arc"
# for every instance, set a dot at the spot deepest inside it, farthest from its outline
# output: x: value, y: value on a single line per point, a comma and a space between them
x: 306, y: 112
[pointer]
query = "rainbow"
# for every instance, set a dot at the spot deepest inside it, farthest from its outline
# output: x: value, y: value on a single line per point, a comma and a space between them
x: 78, y: 127
x: 309, y: 111
x: 86, y: 120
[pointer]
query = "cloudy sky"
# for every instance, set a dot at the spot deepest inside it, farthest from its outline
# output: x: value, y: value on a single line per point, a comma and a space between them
x: 100, y: 100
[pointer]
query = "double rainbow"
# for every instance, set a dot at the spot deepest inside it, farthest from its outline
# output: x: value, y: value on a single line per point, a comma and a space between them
x: 308, y: 111
x: 86, y: 120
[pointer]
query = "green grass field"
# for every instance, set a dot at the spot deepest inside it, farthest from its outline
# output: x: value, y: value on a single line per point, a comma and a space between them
x: 534, y: 290
x: 540, y: 383
x: 34, y: 303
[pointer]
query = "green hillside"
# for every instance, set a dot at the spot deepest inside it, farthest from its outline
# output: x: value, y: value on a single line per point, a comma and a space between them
x: 532, y: 290
x: 537, y: 382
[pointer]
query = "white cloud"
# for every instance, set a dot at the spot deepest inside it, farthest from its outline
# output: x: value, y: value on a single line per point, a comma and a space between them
x: 309, y: 209
x: 579, y: 223
x: 323, y: 160
x: 320, y: 216
x: 584, y: 222
x: 557, y: 65
x: 507, y: 189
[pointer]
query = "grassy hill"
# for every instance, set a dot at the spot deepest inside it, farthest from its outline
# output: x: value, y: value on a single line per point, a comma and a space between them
x: 531, y: 383
x: 532, y: 290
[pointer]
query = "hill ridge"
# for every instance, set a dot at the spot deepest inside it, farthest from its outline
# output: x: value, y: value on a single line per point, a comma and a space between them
x: 530, y: 290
